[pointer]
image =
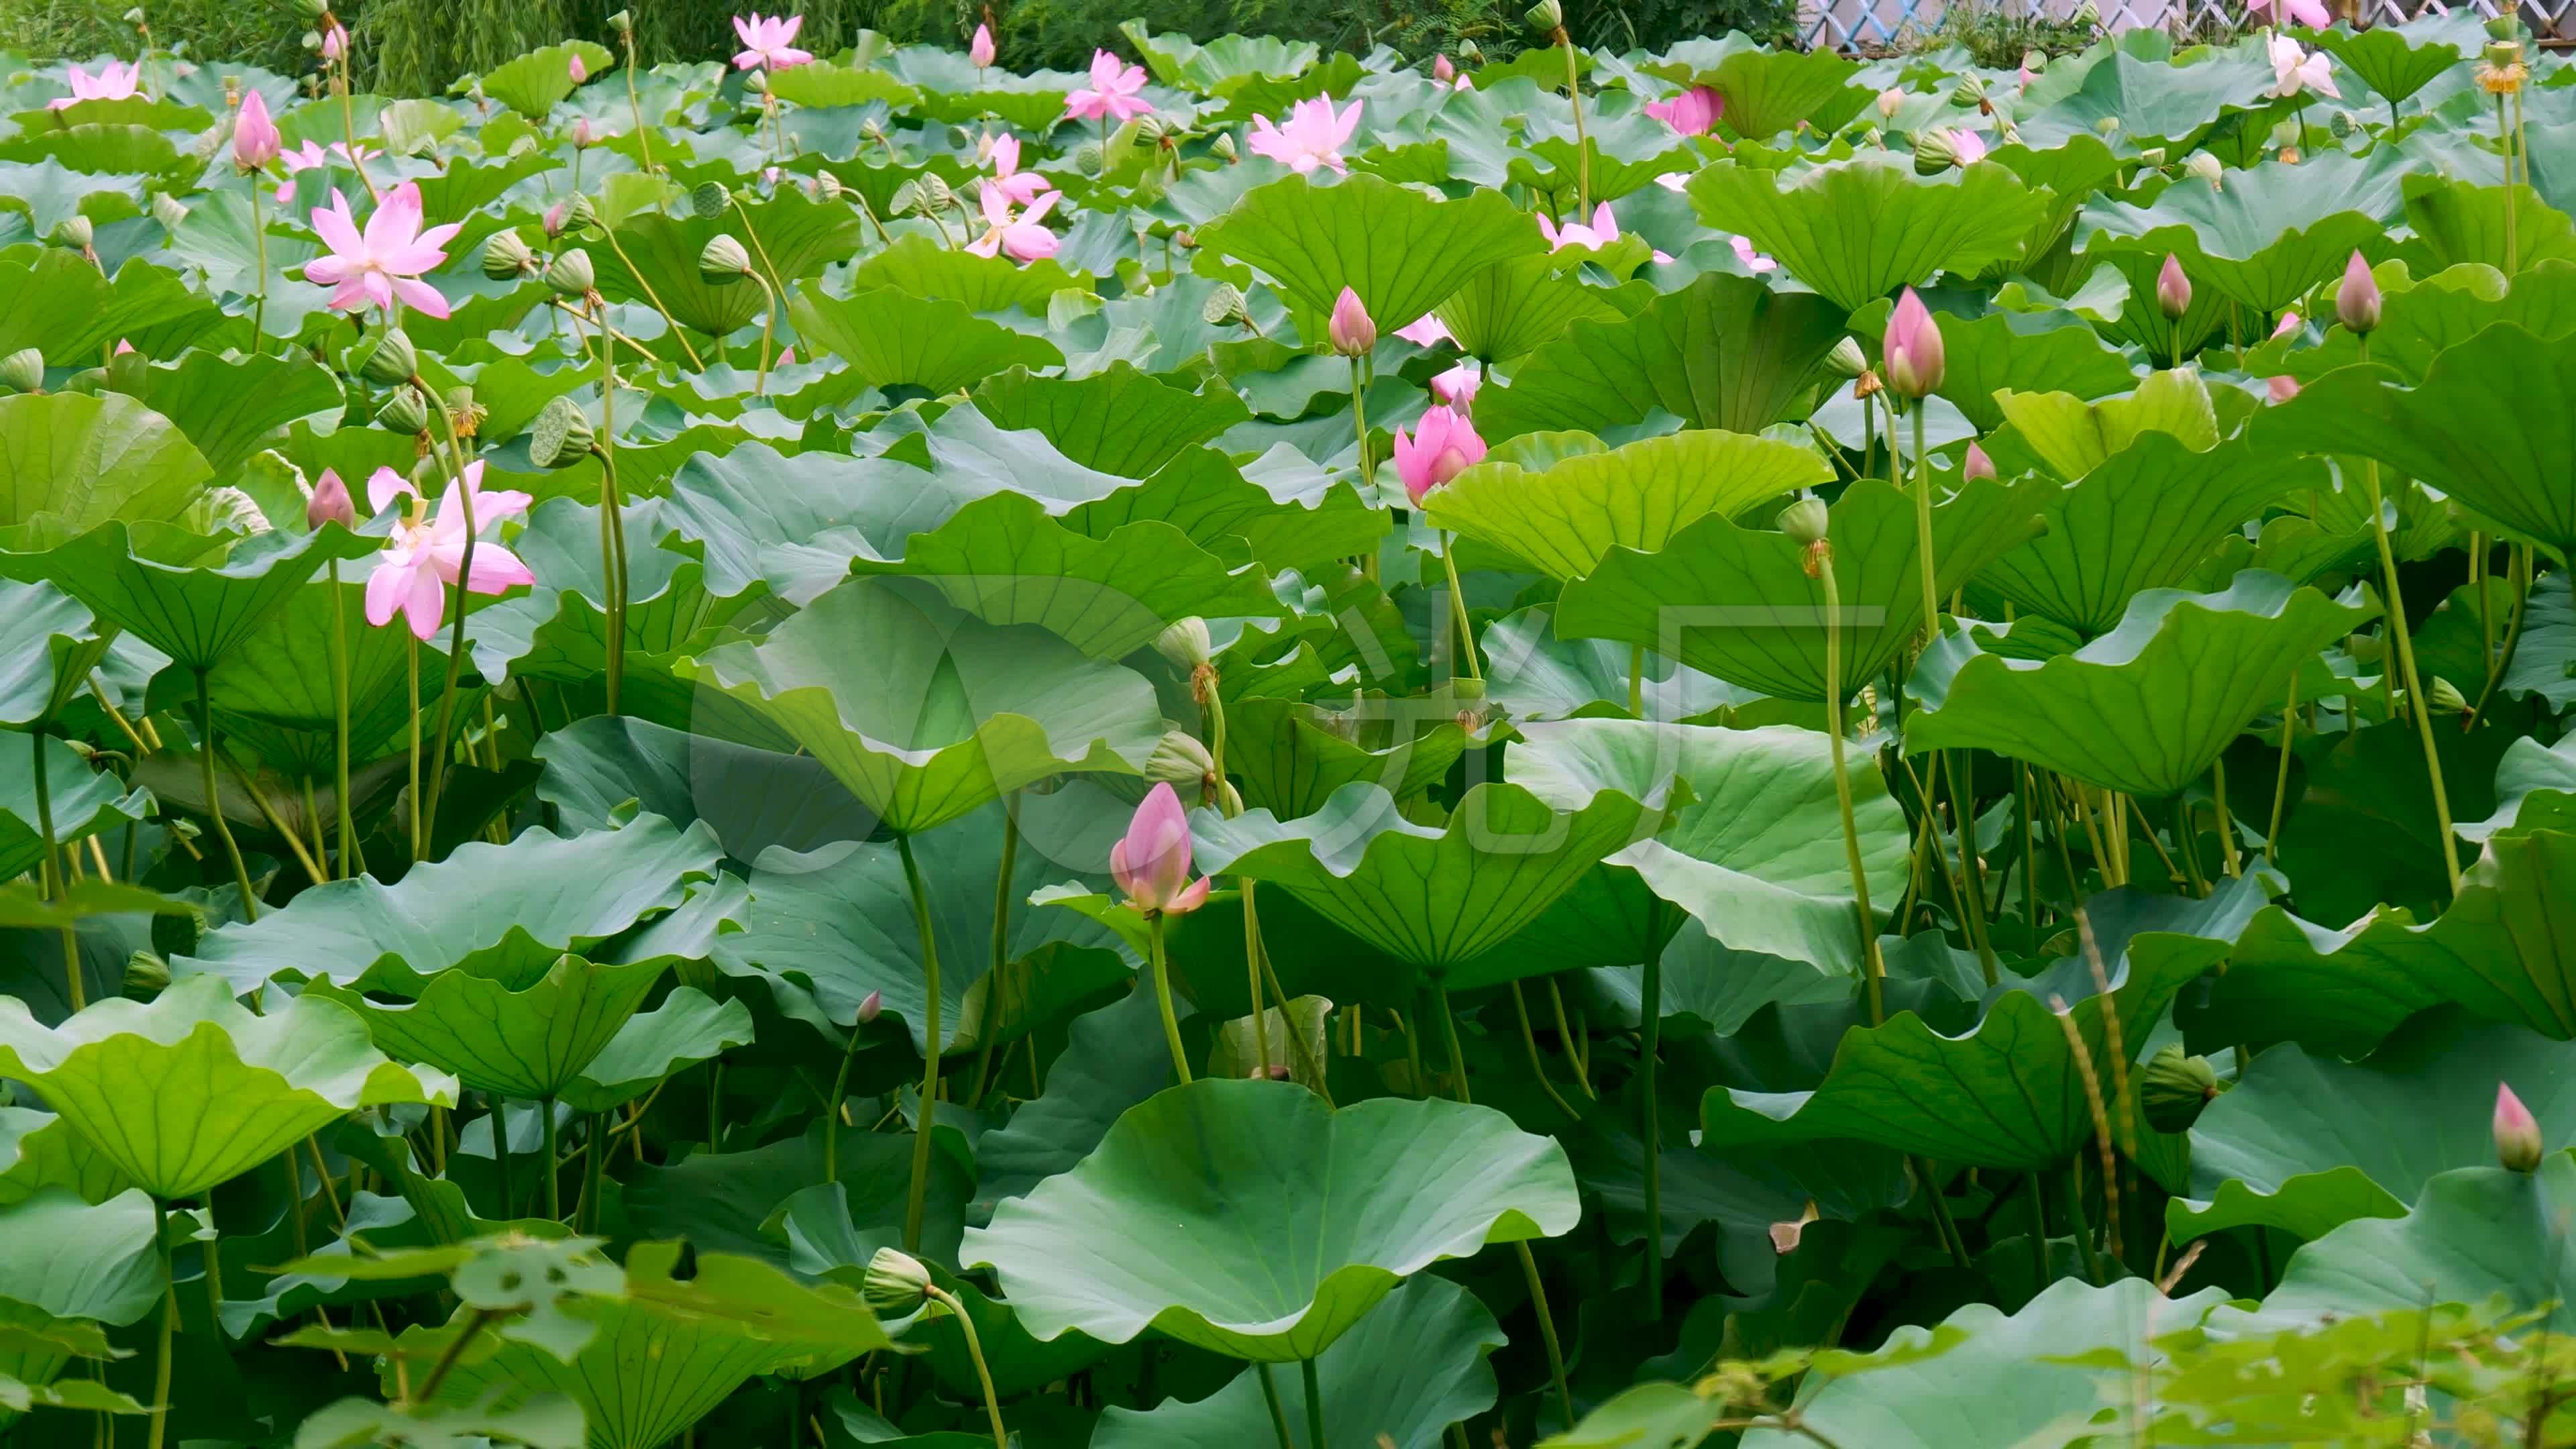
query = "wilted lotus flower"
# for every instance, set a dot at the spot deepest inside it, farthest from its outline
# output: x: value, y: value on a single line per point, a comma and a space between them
x: 1976, y: 466
x: 1350, y: 331
x: 1912, y: 348
x: 1313, y: 137
x: 330, y: 503
x: 2295, y: 70
x: 2517, y: 1132
x: 115, y: 81
x: 1112, y: 92
x: 1692, y: 112
x: 424, y: 557
x: 768, y: 41
x: 2357, y: 297
x: 1152, y: 862
x: 980, y: 51
x: 254, y: 134
x: 386, y: 261
x: 2173, y: 289
x: 1442, y: 445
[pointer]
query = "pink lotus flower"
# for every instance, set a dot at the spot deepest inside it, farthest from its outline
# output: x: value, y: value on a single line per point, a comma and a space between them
x: 1692, y: 112
x: 578, y: 71
x: 254, y: 134
x: 2517, y: 1133
x: 1152, y: 862
x: 2282, y: 389
x: 123, y: 346
x: 2294, y: 70
x: 423, y: 557
x: 2173, y: 289
x: 1025, y: 239
x: 1426, y: 330
x: 386, y: 262
x: 115, y: 81
x: 1313, y: 136
x: 335, y: 41
x: 1443, y: 445
x: 1912, y: 348
x: 1022, y: 187
x: 2288, y: 326
x: 768, y: 41
x: 1754, y: 261
x: 330, y: 503
x: 1674, y: 181
x: 1976, y: 465
x: 2304, y: 12
x: 1602, y: 232
x: 309, y: 157
x: 1968, y: 146
x: 980, y: 50
x: 581, y: 135
x: 1112, y: 92
x: 1456, y: 388
x: 1442, y: 69
x: 1350, y: 330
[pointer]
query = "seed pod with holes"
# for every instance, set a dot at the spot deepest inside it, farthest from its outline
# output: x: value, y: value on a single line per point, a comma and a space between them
x: 709, y: 200
x: 561, y: 436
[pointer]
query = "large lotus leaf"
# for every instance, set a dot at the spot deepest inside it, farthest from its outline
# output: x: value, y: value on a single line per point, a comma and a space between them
x: 797, y: 235
x: 559, y: 628
x: 1108, y: 1066
x: 1856, y: 230
x: 516, y: 1038
x: 1410, y: 1368
x: 1401, y: 251
x: 1724, y: 352
x: 2146, y: 519
x: 198, y: 615
x: 2458, y: 221
x: 43, y: 1151
x: 84, y: 800
x: 1118, y: 420
x: 2388, y: 60
x: 76, y: 1260
x: 2421, y: 322
x: 891, y: 338
x: 2503, y: 949
x: 1001, y: 559
x: 2004, y: 351
x: 57, y: 301
x: 1285, y: 511
x: 2492, y: 425
x: 2148, y: 99
x: 79, y: 459
x: 1533, y: 674
x: 2071, y: 437
x: 946, y: 712
x: 279, y: 675
x: 1506, y: 311
x: 921, y: 266
x: 827, y: 928
x: 794, y: 522
x: 193, y: 1089
x: 1767, y: 90
x: 48, y: 645
x: 1756, y: 854
x: 534, y: 83
x: 2143, y: 709
x: 2305, y: 1144
x: 2266, y: 237
x: 231, y: 407
x: 1279, y: 1221
x: 752, y: 799
x: 689, y: 1027
x: 1736, y: 602
x: 1291, y: 756
x: 827, y: 84
x: 2009, y: 1092
x: 1438, y: 897
x: 500, y: 912
x: 1564, y: 517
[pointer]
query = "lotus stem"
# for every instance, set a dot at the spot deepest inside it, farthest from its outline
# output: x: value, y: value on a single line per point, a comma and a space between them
x: 1278, y: 1411
x: 1637, y: 680
x: 975, y: 1351
x: 51, y: 877
x: 411, y: 681
x: 259, y: 303
x: 612, y: 520
x: 1650, y: 1022
x: 635, y: 103
x: 2029, y: 849
x: 1002, y: 888
x: 2281, y: 782
x: 438, y: 1372
x: 1923, y: 541
x: 340, y: 723
x: 1163, y: 998
x: 2081, y: 1226
x: 456, y: 636
x: 1314, y: 1403
x: 646, y: 283
x: 215, y: 800
x: 2405, y: 644
x: 2518, y: 580
x: 294, y: 842
x: 1963, y: 801
x: 916, y: 1197
x: 1895, y: 478
x: 1458, y: 606
x: 1874, y: 969
x: 1546, y: 1330
x: 1582, y: 149
x: 598, y: 1145
x: 2228, y: 858
x: 169, y: 1329
x: 1944, y: 1226
x: 1252, y: 968
x: 349, y: 130
x: 2504, y: 139
x: 1359, y: 421
x: 499, y: 1116
x: 554, y: 1169
x: 1571, y: 1040
x: 1529, y: 1044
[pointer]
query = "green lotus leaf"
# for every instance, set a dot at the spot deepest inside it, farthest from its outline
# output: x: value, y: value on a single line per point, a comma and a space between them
x: 1401, y: 251
x: 1001, y: 559
x: 952, y: 713
x: 1279, y: 509
x: 231, y: 407
x: 558, y: 630
x: 826, y: 84
x: 751, y: 798
x: 1736, y: 602
x: 2535, y: 790
x: 42, y: 1152
x: 73, y: 1259
x: 2148, y: 99
x: 2388, y: 60
x: 546, y: 1421
x: 2145, y: 708
x: 1534, y: 675
x: 2014, y: 352
x: 1438, y: 897
x: 1856, y: 230
x: 798, y: 238
x: 2459, y: 221
x: 921, y: 266
x: 1508, y: 310
x: 1724, y: 352
x: 1410, y: 1368
x: 50, y: 645
x: 2264, y: 238
x: 194, y: 1089
x: 1284, y: 1221
x: 1119, y: 420
x: 198, y: 615
x: 84, y: 801
x: 2071, y: 437
x: 794, y: 522
x: 2305, y: 1144
x: 2071, y: 172
x: 56, y: 300
x: 1565, y: 518
x: 1291, y: 756
x: 1221, y: 66
x: 272, y: 689
x: 498, y: 913
x: 1756, y: 855
x: 74, y: 460
x: 2421, y: 322
x: 512, y: 1036
x: 891, y: 338
x: 2490, y: 425
x: 2145, y: 519
x: 1767, y: 91
x: 536, y: 82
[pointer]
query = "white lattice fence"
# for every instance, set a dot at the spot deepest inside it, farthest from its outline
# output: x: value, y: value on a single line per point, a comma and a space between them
x: 1875, y: 23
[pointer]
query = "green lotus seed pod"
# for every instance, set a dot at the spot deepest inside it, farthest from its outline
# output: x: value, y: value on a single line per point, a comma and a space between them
x: 1185, y: 643
x: 571, y: 274
x: 1090, y: 159
x: 1179, y: 760
x: 1935, y: 151
x: 76, y: 233
x: 827, y: 187
x: 404, y: 412
x: 895, y: 1283
x: 579, y: 213
x: 1225, y: 307
x: 169, y: 211
x: 561, y: 436
x: 23, y: 371
x: 386, y: 358
x: 1223, y: 147
x: 147, y: 973
x: 1546, y: 17
x: 709, y: 200
x: 723, y: 262
x: 2174, y: 1089
x: 622, y: 22
x: 1805, y: 521
x: 1847, y: 360
x: 507, y: 256
x: 1969, y: 92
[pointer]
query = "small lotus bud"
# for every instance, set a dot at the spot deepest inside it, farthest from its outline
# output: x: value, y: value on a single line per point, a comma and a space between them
x: 404, y: 412
x: 2207, y: 167
x: 1185, y: 643
x: 1546, y: 17
x: 581, y: 133
x: 23, y: 370
x: 76, y: 232
x: 895, y: 1283
x: 561, y: 436
x: 1180, y: 761
x: 2173, y: 289
x: 1443, y: 69
x: 2174, y: 1088
x: 2151, y: 157
x: 1351, y: 331
x: 147, y: 975
x: 1847, y: 360
x: 1916, y: 360
x: 571, y: 274
x: 1888, y: 101
x: 1223, y: 147
x: 506, y: 256
x: 330, y: 503
x: 2281, y: 389
x: 2107, y: 127
x: 722, y: 262
x: 578, y: 71
x: 1977, y: 465
x: 1225, y: 307
x: 169, y: 211
x: 2357, y: 297
x: 871, y: 1007
x: 980, y: 51
x: 386, y: 358
x: 1805, y: 521
x: 2517, y: 1133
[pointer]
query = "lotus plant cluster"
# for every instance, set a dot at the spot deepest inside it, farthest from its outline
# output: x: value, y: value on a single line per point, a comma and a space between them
x: 845, y: 742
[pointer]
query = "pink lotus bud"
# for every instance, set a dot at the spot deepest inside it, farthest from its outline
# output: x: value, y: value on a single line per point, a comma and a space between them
x: 1888, y: 101
x: 2173, y: 289
x: 871, y: 1006
x: 1442, y: 70
x: 2282, y: 389
x: 1278, y: 1072
x: 2357, y: 297
x: 980, y: 50
x: 1351, y: 331
x: 1912, y: 348
x: 1151, y: 863
x: 254, y: 134
x: 123, y: 347
x: 335, y: 42
x: 579, y: 71
x: 330, y: 503
x: 787, y: 357
x: 1442, y: 445
x: 554, y: 219
x: 581, y: 130
x: 1977, y: 466
x: 2517, y: 1132
x: 2288, y: 326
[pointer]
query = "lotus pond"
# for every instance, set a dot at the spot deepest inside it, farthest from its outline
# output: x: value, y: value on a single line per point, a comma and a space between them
x: 1274, y: 748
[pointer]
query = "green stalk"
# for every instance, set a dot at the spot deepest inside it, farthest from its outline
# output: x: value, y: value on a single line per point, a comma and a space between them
x: 1875, y: 969
x: 832, y: 1109
x: 2039, y: 1273
x: 259, y: 304
x: 554, y: 1177
x: 1923, y: 548
x: 2281, y: 783
x: 340, y: 722
x: 1649, y: 1129
x: 1546, y: 1330
x: 650, y: 296
x: 1637, y: 680
x: 169, y: 1328
x: 975, y: 1351
x: 917, y: 1196
x: 1278, y: 1411
x: 500, y: 1118
x: 1359, y: 420
x: 215, y: 801
x: 612, y: 522
x: 2415, y: 701
x: 1529, y: 1045
x: 1458, y: 606
x: 411, y: 679
x: 456, y: 636
x: 1529, y: 1262
x: 1971, y: 874
x: 1163, y: 998
x: 1582, y: 145
x: 635, y: 103
x: 1314, y: 1403
x: 591, y: 1169
x: 53, y: 878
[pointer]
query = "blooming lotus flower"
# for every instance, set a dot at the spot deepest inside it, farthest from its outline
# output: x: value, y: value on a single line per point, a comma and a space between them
x: 1888, y: 101
x: 115, y: 81
x: 1021, y: 187
x: 1603, y: 230
x: 1024, y: 239
x: 1912, y: 348
x: 1426, y: 330
x: 787, y: 356
x: 578, y: 71
x: 1674, y: 181
x: 1692, y: 112
x: 980, y: 50
x: 2305, y: 12
x: 1313, y: 136
x: 2294, y: 70
x: 1151, y: 863
x: 1443, y: 445
x: 1350, y: 330
x: 1968, y: 146
x: 330, y: 503
x: 768, y: 42
x: 254, y: 134
x: 1456, y: 388
x: 309, y: 157
x: 425, y: 556
x: 386, y: 262
x: 1754, y: 261
x: 2517, y: 1132
x: 1112, y: 92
